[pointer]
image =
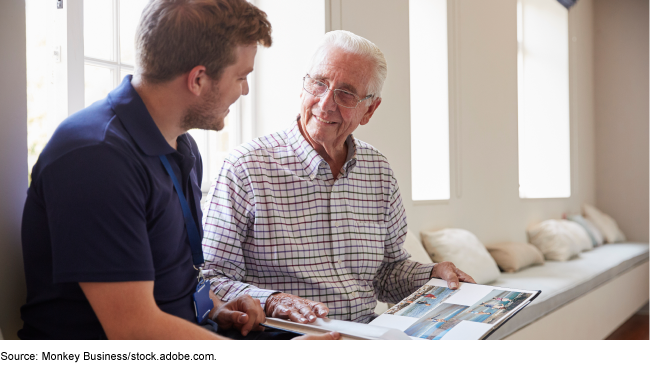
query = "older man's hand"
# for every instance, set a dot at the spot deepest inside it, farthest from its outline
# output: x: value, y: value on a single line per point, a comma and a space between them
x: 244, y: 313
x: 451, y: 274
x: 294, y: 308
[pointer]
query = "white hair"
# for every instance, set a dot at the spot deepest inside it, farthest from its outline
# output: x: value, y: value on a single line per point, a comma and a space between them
x: 350, y: 42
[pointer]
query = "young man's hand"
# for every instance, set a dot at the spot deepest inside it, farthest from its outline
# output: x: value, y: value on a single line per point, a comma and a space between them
x: 243, y: 313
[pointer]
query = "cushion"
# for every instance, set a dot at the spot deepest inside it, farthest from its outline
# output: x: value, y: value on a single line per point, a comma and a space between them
x: 596, y: 237
x: 579, y: 234
x: 606, y: 224
x: 413, y: 246
x: 463, y: 249
x: 514, y: 256
x: 554, y: 239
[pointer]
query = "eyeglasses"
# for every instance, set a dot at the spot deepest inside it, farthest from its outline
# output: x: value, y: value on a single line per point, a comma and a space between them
x: 343, y: 98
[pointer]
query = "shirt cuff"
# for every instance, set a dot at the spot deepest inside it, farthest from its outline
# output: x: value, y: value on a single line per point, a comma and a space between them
x: 422, y: 274
x: 261, y: 294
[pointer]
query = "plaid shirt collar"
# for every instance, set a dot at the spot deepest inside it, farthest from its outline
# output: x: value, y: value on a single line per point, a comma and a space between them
x: 310, y: 159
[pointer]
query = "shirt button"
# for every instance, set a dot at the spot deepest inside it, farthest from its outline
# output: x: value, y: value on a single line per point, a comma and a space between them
x: 339, y: 262
x: 336, y: 224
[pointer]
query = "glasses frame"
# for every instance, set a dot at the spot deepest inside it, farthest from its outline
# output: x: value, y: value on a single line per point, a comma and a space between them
x: 359, y: 100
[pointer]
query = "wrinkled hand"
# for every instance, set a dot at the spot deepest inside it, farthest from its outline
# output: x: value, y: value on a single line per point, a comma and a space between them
x: 294, y: 308
x: 451, y: 274
x: 244, y: 313
x: 324, y: 336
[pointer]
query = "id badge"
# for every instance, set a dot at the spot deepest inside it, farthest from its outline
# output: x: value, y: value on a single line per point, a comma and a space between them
x: 202, y: 302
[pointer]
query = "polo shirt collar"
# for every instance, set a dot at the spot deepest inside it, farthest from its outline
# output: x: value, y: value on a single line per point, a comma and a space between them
x: 309, y: 158
x: 129, y: 107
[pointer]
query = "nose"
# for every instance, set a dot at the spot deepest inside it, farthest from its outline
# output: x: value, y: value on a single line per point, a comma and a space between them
x: 326, y: 102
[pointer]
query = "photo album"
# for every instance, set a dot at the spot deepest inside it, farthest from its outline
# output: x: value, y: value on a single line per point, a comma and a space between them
x: 433, y: 312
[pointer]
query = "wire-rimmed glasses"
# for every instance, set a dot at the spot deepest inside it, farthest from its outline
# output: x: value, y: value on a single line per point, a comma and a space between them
x: 343, y: 98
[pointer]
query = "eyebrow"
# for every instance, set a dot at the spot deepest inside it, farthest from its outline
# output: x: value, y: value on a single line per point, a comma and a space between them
x: 342, y: 86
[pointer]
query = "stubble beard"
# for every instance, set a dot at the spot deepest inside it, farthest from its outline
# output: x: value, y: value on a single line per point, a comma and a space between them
x: 203, y: 114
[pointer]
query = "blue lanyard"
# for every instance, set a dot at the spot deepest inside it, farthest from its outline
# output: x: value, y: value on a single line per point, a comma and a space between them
x: 192, y: 230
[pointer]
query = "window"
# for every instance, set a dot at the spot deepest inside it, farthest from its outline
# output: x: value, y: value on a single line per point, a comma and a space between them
x: 108, y: 52
x: 279, y: 69
x: 47, y: 103
x: 543, y: 88
x: 429, y: 100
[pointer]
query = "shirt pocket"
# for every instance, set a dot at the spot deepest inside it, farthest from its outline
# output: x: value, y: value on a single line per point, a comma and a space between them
x: 366, y: 249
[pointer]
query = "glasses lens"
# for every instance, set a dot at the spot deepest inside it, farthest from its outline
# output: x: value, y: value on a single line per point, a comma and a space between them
x: 345, y: 99
x: 314, y: 87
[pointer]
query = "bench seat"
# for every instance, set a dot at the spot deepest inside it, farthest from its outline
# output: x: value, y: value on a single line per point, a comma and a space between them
x: 563, y: 282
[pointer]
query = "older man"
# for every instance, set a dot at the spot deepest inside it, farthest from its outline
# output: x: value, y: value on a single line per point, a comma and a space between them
x: 310, y: 220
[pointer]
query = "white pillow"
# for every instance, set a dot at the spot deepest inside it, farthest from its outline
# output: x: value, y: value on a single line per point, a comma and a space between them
x: 554, y: 239
x: 413, y: 246
x: 579, y: 234
x: 464, y: 250
x: 606, y: 224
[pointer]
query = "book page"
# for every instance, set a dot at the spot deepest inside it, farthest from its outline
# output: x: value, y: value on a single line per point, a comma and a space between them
x: 435, y: 312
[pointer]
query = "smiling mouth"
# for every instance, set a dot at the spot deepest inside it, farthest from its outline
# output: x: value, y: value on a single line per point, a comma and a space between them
x: 323, y: 120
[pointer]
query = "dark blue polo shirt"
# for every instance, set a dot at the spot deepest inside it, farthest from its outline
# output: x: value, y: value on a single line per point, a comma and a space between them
x: 102, y: 208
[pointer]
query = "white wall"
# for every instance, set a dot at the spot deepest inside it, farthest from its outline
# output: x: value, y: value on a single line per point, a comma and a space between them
x: 13, y: 163
x: 621, y: 79
x: 484, y: 165
x: 297, y: 26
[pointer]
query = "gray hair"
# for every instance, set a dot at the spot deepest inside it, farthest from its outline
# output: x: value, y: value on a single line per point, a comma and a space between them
x: 350, y: 42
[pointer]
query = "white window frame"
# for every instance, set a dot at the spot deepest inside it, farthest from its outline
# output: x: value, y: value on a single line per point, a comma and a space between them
x: 77, y: 60
x: 453, y: 122
x: 523, y: 111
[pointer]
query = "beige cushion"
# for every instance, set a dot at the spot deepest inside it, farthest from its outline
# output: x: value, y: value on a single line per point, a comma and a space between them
x: 462, y: 248
x: 514, y: 256
x: 554, y: 239
x: 606, y: 224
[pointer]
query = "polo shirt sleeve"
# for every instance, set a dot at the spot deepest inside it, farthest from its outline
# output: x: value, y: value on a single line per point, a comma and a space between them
x: 95, y: 199
x: 398, y: 276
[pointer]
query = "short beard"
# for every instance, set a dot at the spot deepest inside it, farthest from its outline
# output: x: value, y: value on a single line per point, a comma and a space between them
x: 202, y: 114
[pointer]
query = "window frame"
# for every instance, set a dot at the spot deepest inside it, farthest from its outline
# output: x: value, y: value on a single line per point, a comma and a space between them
x: 521, y: 101
x: 77, y: 61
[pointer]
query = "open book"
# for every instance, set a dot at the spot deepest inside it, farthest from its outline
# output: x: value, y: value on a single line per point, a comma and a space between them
x: 433, y: 312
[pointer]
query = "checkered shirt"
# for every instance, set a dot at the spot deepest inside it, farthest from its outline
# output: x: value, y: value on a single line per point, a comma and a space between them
x: 277, y: 220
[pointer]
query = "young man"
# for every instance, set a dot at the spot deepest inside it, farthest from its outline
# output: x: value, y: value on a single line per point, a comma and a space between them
x: 106, y: 234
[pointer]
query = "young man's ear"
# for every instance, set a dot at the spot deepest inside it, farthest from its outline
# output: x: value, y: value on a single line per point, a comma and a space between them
x: 197, y: 80
x: 370, y: 111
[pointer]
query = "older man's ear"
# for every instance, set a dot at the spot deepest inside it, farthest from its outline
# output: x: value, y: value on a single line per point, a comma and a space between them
x: 370, y: 111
